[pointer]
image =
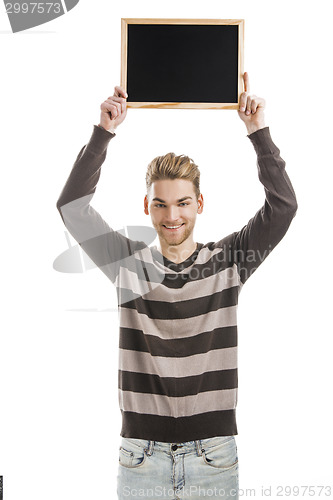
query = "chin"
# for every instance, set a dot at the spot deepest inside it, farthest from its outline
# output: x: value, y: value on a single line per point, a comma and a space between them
x: 176, y: 241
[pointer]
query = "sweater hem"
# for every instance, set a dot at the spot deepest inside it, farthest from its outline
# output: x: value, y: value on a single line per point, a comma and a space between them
x: 178, y: 430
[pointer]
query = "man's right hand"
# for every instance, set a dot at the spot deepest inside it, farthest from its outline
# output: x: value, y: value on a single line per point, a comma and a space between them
x: 113, y: 110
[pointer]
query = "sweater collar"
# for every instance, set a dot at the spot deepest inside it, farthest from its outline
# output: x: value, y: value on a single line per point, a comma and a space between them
x: 173, y: 266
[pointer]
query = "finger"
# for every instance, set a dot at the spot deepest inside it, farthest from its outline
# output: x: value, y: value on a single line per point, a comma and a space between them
x: 119, y: 102
x: 123, y: 106
x: 242, y: 101
x: 116, y: 99
x: 109, y: 108
x: 255, y: 103
x: 248, y: 105
x: 246, y: 82
x: 115, y: 103
x: 120, y: 92
x: 259, y: 103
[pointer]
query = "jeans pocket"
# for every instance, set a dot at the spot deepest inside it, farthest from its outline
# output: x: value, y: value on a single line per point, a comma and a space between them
x: 131, y: 455
x: 222, y: 455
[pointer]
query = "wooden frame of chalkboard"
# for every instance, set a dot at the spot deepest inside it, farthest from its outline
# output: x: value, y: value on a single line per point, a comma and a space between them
x: 182, y: 63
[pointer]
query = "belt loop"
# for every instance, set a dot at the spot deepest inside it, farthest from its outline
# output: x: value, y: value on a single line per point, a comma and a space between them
x: 150, y: 447
x: 199, y: 447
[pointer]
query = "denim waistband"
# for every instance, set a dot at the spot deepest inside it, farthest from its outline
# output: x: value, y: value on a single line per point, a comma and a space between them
x: 198, y: 445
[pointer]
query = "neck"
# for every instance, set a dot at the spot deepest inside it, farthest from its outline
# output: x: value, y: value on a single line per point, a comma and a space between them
x: 177, y: 253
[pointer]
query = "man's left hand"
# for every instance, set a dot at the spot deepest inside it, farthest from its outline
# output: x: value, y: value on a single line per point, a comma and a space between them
x: 251, y: 108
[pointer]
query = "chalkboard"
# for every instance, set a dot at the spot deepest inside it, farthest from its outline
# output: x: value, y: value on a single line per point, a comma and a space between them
x: 182, y: 63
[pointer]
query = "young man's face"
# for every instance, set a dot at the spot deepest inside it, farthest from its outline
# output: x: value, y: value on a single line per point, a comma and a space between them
x: 173, y: 208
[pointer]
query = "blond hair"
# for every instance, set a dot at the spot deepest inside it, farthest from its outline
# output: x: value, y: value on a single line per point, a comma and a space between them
x: 170, y: 166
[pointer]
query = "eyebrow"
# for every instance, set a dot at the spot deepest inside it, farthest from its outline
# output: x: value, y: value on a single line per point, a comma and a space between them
x: 178, y: 201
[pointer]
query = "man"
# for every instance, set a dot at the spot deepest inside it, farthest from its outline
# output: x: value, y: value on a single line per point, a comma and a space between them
x: 177, y: 310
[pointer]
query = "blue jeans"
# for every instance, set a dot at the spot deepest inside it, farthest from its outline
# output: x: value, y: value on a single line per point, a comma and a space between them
x: 205, y: 468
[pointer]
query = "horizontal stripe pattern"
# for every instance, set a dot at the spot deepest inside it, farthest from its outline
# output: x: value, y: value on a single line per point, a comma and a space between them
x: 137, y: 340
x: 222, y: 280
x: 178, y: 337
x: 150, y: 268
x: 184, y: 386
x: 143, y: 362
x: 185, y: 308
x: 184, y: 406
x: 177, y: 343
x: 178, y: 328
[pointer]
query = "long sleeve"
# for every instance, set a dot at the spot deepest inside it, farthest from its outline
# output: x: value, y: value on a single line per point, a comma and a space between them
x: 105, y: 247
x: 263, y: 232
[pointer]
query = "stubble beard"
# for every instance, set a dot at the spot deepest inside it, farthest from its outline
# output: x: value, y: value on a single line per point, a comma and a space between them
x: 174, y: 241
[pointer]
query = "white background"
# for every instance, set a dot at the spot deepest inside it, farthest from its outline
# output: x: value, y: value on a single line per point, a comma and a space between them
x: 59, y: 417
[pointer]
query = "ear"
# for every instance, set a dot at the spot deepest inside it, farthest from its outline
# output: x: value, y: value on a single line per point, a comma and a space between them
x: 200, y: 204
x: 145, y: 204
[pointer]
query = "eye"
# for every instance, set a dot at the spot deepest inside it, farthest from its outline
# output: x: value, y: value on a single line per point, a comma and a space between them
x: 183, y: 203
x: 159, y: 205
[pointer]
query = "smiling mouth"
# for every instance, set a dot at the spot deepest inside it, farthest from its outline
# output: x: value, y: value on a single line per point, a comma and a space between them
x: 173, y: 228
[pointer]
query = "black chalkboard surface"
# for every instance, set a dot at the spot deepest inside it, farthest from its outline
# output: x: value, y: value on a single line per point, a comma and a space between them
x: 182, y: 63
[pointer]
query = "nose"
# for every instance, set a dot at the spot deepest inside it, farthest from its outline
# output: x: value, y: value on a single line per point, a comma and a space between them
x: 172, y: 214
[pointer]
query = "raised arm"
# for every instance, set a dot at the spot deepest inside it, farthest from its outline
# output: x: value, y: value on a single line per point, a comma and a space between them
x: 263, y: 232
x: 85, y: 173
x: 103, y: 245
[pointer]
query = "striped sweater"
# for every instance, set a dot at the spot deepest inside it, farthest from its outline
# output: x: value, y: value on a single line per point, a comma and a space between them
x: 178, y: 322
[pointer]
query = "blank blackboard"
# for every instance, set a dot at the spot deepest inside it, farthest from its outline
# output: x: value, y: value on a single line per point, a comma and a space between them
x: 182, y: 63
